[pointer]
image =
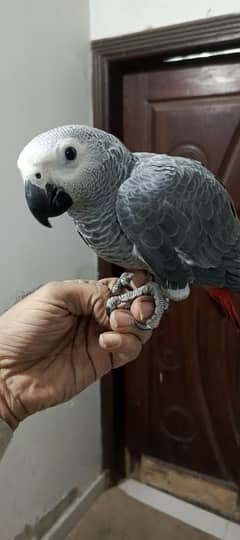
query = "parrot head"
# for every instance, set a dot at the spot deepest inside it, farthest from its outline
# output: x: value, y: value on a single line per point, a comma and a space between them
x: 65, y: 168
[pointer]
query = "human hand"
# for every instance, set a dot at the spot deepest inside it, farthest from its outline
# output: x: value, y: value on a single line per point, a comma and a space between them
x: 58, y: 340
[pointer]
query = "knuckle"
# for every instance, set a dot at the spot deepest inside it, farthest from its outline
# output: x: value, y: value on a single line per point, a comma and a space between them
x: 50, y: 287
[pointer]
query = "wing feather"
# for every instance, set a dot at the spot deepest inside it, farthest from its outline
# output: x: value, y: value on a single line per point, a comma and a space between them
x: 172, y: 208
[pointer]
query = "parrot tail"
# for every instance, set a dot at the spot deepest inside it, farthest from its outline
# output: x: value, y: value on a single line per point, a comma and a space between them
x: 223, y: 298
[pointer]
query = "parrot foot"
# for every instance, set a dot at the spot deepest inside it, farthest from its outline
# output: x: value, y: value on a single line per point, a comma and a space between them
x: 125, y: 299
x: 122, y: 283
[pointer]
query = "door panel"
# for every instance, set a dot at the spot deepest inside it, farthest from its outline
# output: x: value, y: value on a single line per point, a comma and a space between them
x: 183, y: 394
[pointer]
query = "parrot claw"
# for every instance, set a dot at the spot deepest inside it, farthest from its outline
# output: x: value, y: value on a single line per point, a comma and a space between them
x: 122, y: 283
x: 125, y: 299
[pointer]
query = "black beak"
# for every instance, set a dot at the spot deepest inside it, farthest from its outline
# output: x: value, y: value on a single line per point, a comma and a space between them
x: 48, y: 202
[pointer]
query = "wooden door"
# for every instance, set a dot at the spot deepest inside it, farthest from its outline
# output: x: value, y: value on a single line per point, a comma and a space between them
x: 183, y: 394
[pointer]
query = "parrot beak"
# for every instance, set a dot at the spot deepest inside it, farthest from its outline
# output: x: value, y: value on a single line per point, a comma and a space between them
x: 49, y: 202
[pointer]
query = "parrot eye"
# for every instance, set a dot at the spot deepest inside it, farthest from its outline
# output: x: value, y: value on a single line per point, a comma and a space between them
x: 70, y: 153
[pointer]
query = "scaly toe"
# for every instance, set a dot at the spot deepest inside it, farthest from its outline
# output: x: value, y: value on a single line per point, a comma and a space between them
x: 125, y: 300
x: 122, y: 283
x: 149, y: 289
x: 161, y: 305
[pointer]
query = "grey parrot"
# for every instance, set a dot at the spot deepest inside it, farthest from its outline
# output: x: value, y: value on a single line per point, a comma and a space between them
x: 164, y: 214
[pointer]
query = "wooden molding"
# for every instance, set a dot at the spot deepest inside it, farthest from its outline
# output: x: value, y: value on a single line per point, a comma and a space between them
x: 214, y: 32
x: 115, y: 54
x: 192, y: 487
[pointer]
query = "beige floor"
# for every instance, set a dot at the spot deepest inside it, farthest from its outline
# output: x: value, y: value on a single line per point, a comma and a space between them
x: 116, y: 516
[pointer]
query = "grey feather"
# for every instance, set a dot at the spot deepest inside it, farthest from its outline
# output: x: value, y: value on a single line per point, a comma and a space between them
x: 176, y: 211
x: 166, y: 214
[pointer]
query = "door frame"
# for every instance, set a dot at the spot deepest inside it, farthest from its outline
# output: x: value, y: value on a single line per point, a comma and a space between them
x: 112, y: 58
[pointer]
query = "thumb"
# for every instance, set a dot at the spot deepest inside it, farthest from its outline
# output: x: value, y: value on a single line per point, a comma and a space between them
x: 82, y: 297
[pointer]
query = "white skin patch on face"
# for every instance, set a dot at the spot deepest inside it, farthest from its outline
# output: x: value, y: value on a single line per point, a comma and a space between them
x: 35, y: 159
x: 44, y: 159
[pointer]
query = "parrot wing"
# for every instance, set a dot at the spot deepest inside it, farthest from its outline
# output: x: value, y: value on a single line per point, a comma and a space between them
x: 181, y: 221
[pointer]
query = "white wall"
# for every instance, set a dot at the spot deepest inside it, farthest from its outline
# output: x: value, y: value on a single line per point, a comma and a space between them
x: 45, y: 81
x: 112, y: 18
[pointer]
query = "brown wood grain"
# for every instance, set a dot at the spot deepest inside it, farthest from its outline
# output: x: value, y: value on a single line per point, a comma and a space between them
x: 183, y: 394
x: 113, y: 59
x: 217, y: 496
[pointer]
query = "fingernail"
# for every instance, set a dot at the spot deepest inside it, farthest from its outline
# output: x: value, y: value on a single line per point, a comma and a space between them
x: 109, y: 340
x: 145, y: 310
x: 120, y: 318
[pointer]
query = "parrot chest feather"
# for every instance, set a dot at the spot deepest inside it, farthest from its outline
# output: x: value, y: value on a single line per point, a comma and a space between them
x: 104, y: 235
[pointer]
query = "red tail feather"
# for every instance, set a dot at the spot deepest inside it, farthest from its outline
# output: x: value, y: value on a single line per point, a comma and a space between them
x: 224, y: 299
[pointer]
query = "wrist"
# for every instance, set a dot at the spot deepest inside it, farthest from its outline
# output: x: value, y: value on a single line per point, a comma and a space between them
x: 5, y: 411
x: 6, y: 434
